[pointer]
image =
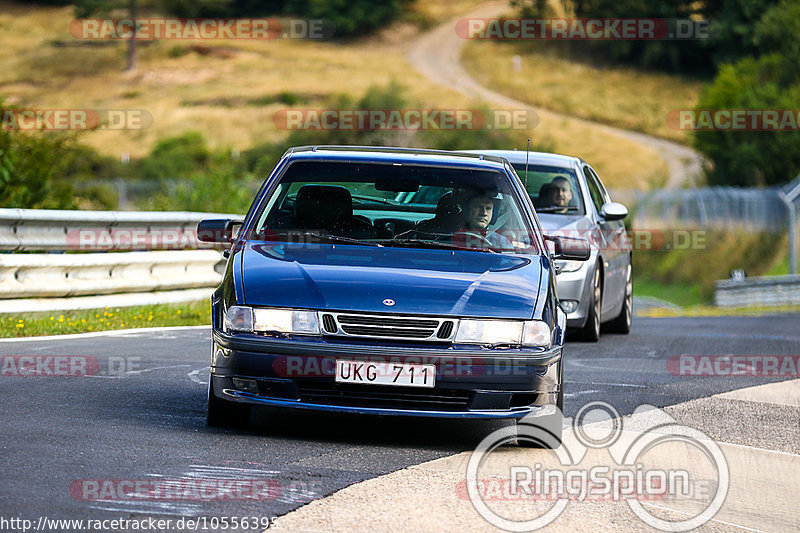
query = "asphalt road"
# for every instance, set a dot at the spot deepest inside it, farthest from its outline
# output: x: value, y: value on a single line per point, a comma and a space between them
x: 141, y: 417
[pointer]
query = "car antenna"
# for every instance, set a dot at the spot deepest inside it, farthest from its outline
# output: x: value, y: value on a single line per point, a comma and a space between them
x: 527, y: 152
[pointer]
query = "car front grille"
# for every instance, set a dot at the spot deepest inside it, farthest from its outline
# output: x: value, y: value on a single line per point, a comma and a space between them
x: 388, y: 327
x: 384, y: 397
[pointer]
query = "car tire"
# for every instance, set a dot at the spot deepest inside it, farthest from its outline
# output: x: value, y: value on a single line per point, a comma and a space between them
x: 590, y: 332
x: 622, y: 324
x: 552, y: 426
x: 223, y: 413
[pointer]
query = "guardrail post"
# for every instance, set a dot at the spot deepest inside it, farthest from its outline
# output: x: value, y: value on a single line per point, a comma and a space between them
x: 788, y: 198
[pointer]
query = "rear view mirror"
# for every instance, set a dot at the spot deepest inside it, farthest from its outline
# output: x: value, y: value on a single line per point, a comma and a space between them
x: 218, y: 230
x: 396, y: 184
x: 570, y: 248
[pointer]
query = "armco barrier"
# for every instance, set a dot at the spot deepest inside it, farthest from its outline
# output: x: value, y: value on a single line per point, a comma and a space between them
x: 60, y: 275
x: 761, y: 291
x: 51, y: 229
x: 59, y: 280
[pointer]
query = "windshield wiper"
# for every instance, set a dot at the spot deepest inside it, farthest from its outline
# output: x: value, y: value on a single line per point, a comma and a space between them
x: 434, y: 244
x: 556, y: 209
x: 325, y: 237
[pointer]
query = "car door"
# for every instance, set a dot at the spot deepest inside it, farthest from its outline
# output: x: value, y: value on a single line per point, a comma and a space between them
x: 611, y: 235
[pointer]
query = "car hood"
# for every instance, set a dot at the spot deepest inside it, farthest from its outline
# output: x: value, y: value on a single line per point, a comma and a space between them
x: 552, y: 222
x: 361, y: 278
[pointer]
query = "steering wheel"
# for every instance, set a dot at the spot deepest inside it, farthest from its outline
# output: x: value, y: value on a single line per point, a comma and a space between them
x: 485, y: 243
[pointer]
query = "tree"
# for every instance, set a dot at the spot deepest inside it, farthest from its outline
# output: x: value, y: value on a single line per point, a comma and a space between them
x: 768, y: 81
x: 88, y: 8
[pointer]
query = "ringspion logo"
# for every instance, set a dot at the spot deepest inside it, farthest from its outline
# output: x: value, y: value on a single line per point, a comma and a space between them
x: 598, y: 459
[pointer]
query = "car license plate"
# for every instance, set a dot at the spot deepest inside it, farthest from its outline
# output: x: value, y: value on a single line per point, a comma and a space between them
x: 381, y: 373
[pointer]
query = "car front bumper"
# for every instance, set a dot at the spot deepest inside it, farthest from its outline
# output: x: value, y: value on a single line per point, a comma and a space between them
x: 470, y: 383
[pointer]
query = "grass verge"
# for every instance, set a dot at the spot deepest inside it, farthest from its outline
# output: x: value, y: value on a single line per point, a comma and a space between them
x: 690, y: 273
x: 86, y: 320
x: 678, y: 294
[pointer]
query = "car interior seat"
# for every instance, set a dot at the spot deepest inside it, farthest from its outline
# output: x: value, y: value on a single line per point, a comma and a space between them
x: 448, y: 218
x: 329, y: 208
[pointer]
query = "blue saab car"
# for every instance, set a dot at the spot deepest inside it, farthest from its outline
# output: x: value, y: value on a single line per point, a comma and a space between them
x: 338, y: 297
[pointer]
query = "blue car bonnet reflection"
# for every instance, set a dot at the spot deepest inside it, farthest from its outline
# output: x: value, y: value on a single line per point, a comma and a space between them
x: 360, y: 278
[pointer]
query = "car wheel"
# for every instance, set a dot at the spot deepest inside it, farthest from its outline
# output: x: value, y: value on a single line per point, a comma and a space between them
x: 622, y: 324
x: 224, y: 413
x: 551, y: 427
x: 590, y: 332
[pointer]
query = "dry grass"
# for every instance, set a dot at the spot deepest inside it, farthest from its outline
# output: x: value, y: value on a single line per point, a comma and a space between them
x: 623, y: 97
x: 708, y: 310
x: 184, y: 90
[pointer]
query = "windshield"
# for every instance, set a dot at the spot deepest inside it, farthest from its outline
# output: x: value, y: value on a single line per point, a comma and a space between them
x: 553, y: 190
x: 411, y: 206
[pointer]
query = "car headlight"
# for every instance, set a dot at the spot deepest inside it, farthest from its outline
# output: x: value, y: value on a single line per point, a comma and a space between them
x: 530, y: 333
x: 241, y: 318
x: 568, y: 266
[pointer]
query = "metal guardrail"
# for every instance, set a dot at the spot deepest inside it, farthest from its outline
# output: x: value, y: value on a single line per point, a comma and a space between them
x: 758, y: 291
x: 57, y: 230
x: 60, y: 275
x: 160, y: 254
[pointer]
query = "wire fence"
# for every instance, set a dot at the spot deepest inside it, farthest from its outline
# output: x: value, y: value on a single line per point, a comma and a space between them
x: 708, y: 208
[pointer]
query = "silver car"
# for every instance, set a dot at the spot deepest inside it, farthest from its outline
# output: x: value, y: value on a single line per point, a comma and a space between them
x: 570, y: 200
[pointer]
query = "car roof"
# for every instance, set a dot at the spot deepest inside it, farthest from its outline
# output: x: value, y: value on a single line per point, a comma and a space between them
x: 396, y: 155
x: 534, y: 158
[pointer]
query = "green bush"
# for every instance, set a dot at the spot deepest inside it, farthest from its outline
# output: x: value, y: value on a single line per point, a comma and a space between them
x: 174, y: 158
x: 350, y: 17
x: 219, y: 189
x: 43, y: 171
x: 751, y: 158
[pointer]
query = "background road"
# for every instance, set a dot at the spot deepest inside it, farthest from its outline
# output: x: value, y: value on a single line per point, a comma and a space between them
x: 436, y: 54
x: 148, y: 422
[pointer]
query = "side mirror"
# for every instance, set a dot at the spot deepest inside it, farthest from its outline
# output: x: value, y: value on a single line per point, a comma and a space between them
x: 613, y: 211
x: 218, y: 230
x: 570, y: 248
